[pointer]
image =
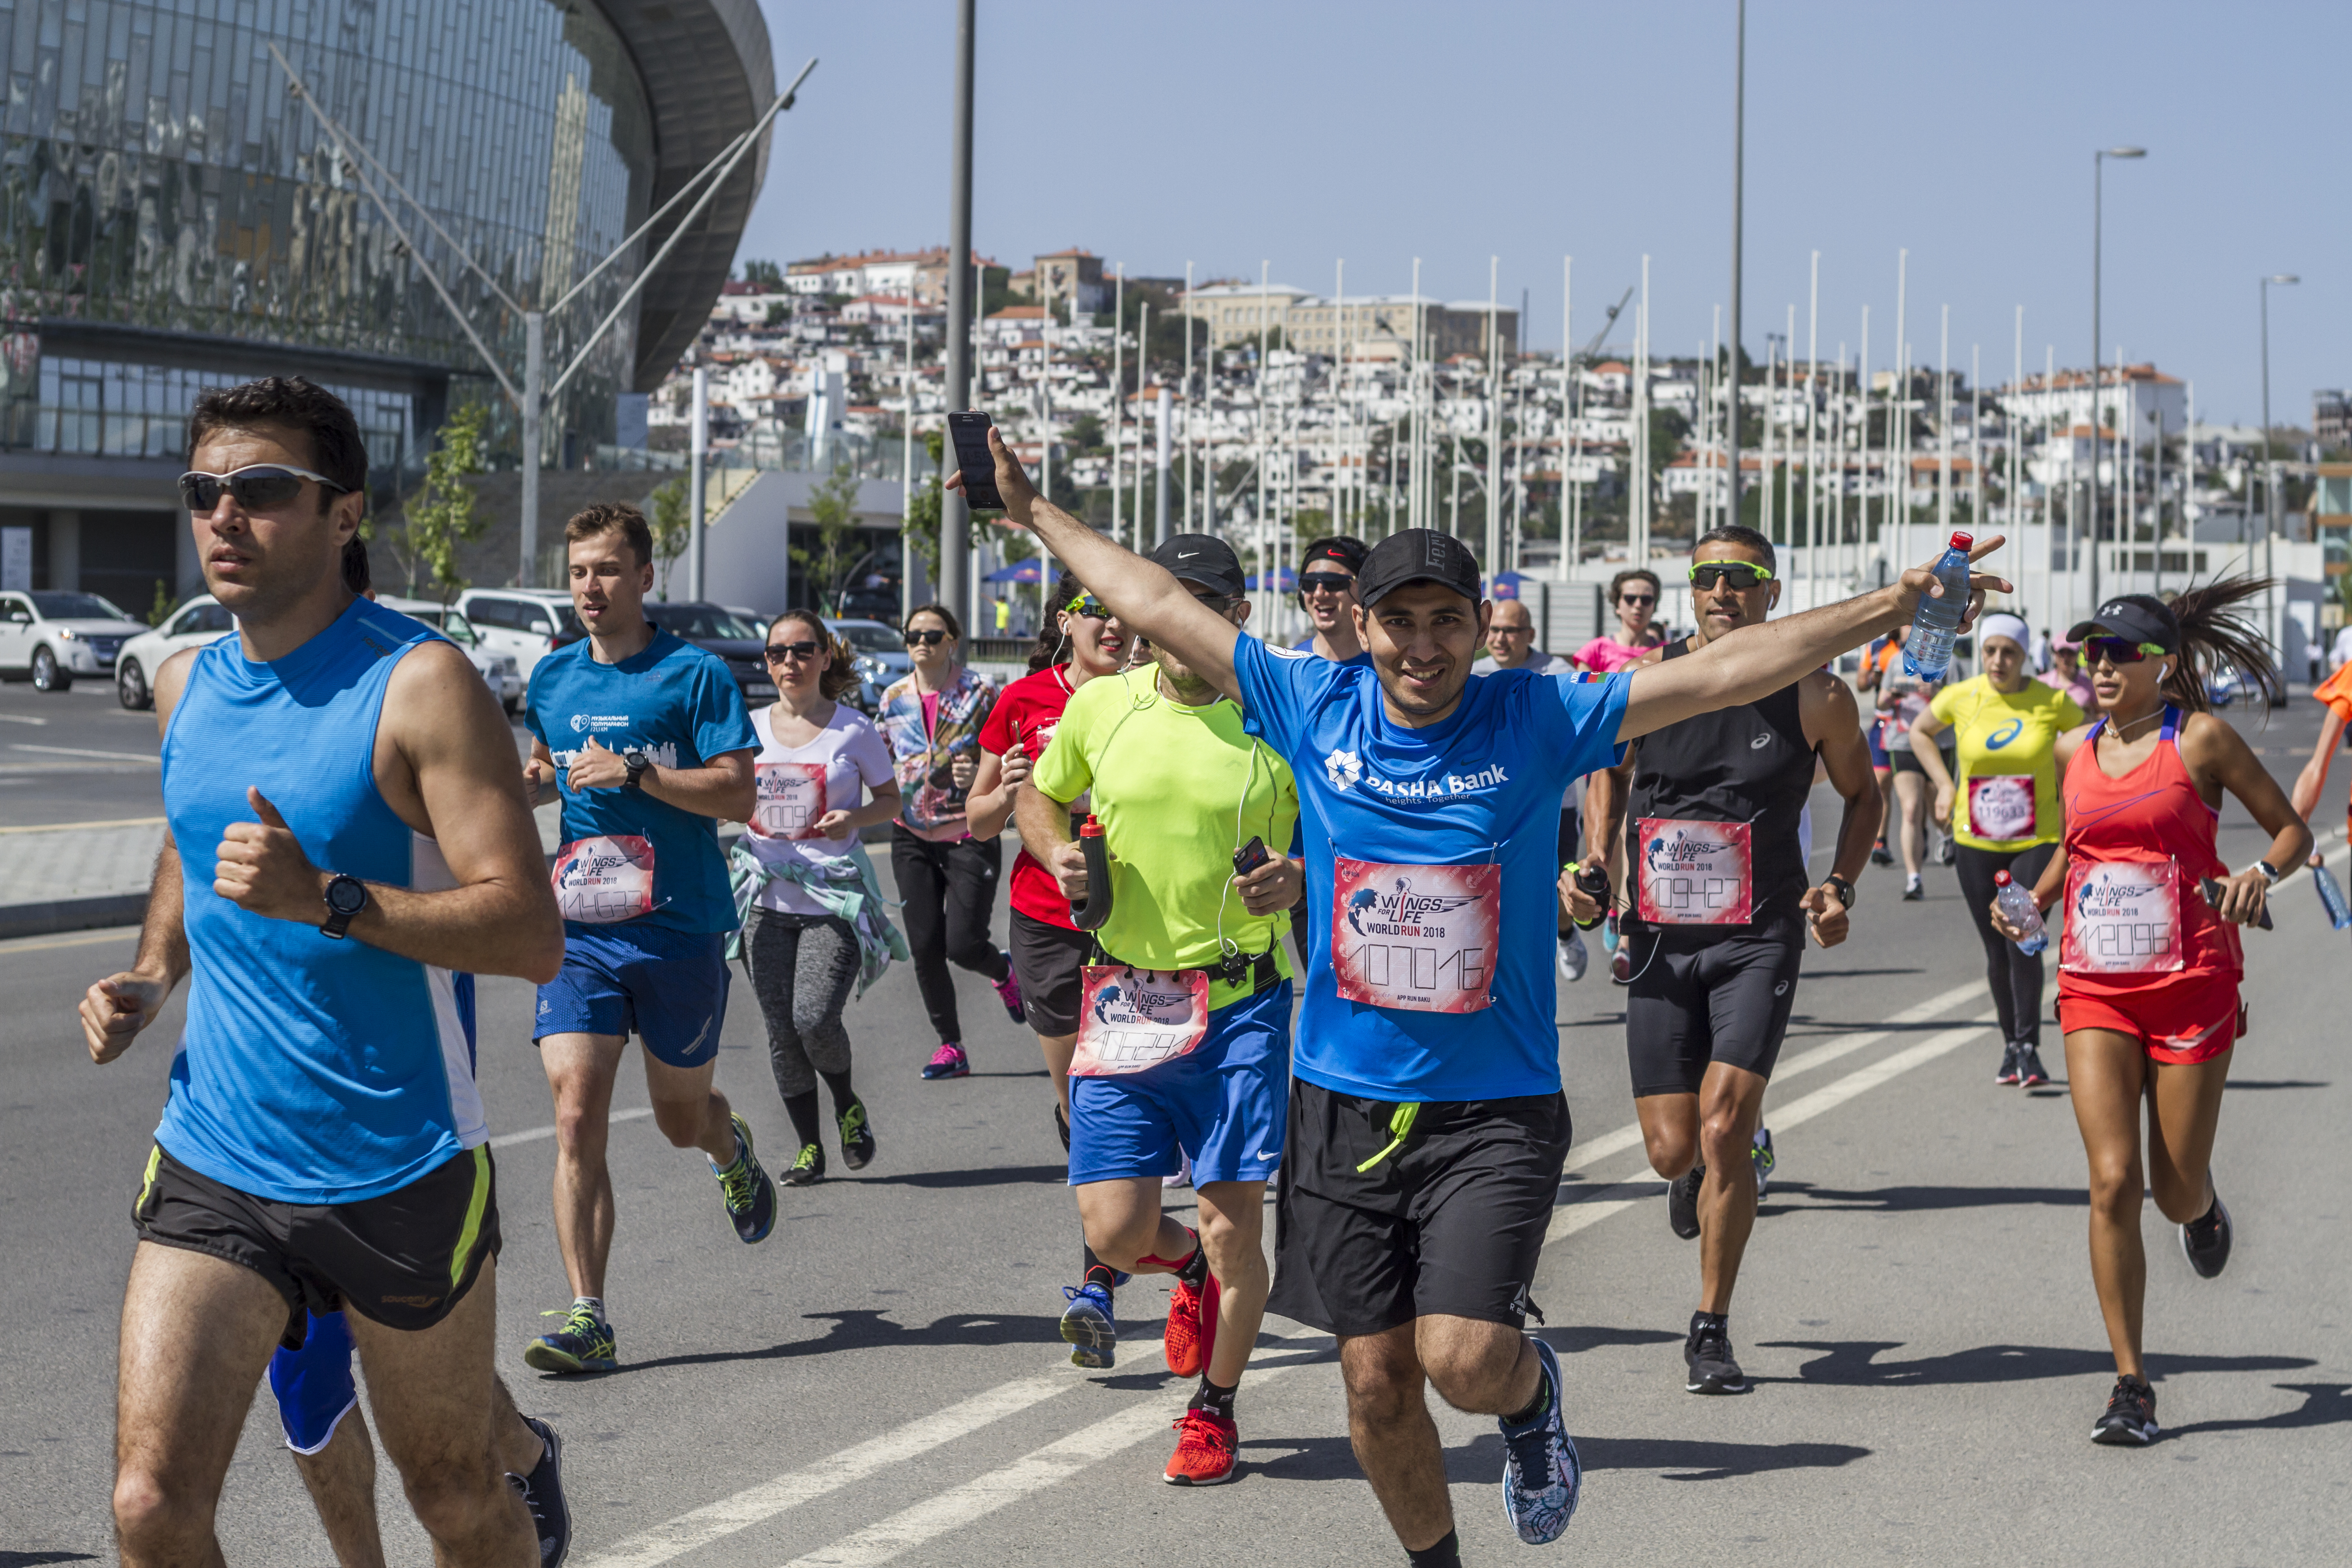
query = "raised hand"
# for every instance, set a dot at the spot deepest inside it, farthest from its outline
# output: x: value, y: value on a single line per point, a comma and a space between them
x: 1919, y: 582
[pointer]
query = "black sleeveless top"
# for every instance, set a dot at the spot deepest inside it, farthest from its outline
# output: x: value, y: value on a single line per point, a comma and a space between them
x: 1750, y: 764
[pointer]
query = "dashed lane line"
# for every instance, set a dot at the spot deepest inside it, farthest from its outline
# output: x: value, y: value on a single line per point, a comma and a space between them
x: 532, y: 1134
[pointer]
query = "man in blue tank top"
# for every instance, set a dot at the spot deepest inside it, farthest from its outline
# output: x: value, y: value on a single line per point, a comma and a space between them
x: 644, y: 738
x: 1427, y: 1127
x: 339, y: 786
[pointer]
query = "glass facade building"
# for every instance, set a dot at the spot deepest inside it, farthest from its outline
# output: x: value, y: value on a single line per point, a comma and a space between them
x: 173, y: 214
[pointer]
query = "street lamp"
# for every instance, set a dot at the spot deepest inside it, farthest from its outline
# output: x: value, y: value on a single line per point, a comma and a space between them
x: 2098, y: 168
x: 2270, y: 464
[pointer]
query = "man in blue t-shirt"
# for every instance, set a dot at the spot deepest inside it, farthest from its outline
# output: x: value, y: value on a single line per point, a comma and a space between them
x: 1427, y: 1127
x: 645, y: 737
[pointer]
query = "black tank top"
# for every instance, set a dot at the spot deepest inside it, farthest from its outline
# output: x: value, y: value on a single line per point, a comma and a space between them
x: 1750, y: 764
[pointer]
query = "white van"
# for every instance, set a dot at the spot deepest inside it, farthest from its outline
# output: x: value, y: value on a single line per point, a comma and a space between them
x: 528, y: 623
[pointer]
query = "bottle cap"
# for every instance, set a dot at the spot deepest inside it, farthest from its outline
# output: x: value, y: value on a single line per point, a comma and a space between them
x: 2001, y: 878
x: 1963, y: 541
x: 1092, y: 829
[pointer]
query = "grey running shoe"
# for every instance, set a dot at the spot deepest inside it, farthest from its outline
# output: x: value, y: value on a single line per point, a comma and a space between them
x: 2130, y: 1418
x: 1573, y: 957
x: 1682, y: 1202
x: 1760, y: 1155
x: 1708, y: 1355
x: 2206, y: 1242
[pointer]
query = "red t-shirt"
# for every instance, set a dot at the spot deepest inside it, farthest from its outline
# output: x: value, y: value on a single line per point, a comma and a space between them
x: 1026, y: 713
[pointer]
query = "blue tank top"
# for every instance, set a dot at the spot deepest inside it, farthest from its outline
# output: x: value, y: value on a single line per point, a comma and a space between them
x: 310, y: 1070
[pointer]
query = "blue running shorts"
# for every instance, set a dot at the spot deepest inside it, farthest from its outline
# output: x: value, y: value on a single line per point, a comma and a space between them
x: 313, y: 1385
x: 1224, y: 1104
x: 667, y: 987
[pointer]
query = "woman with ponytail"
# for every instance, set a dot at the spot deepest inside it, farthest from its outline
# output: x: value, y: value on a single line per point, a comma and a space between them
x: 2149, y: 959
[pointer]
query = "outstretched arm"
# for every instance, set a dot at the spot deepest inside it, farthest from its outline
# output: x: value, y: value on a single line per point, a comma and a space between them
x: 2313, y: 780
x: 1755, y: 661
x: 1146, y: 597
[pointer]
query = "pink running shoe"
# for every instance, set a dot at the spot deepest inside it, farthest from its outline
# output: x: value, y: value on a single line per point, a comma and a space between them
x: 1008, y: 991
x: 947, y: 1061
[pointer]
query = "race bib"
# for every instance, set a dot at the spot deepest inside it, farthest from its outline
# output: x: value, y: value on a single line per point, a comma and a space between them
x: 1692, y: 873
x: 600, y: 880
x: 1131, y: 1020
x: 792, y: 799
x: 2000, y: 805
x: 1420, y: 938
x: 2122, y: 917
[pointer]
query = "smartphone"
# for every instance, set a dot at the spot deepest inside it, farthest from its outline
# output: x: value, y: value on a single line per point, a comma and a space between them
x: 969, y: 431
x: 1250, y: 856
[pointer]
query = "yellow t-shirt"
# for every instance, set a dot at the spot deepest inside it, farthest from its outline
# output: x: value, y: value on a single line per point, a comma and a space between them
x: 2005, y: 795
x: 1177, y: 791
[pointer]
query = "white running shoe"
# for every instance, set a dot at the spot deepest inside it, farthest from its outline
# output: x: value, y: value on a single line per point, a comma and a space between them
x: 1760, y: 1155
x: 1572, y: 955
x: 1182, y: 1175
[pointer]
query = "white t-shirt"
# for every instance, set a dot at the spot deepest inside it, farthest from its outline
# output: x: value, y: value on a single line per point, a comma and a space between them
x: 798, y: 785
x: 2342, y: 652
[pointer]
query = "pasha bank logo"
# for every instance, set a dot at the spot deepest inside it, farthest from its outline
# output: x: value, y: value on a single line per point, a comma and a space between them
x: 1343, y: 768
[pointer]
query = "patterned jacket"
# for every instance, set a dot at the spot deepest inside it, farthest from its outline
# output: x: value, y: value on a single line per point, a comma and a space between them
x: 930, y: 804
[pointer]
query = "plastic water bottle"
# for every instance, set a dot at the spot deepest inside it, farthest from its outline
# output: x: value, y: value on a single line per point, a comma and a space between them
x: 2331, y: 898
x: 1927, y: 651
x: 2022, y: 912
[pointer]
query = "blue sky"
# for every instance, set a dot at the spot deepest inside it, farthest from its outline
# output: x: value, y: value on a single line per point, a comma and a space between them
x: 1222, y: 133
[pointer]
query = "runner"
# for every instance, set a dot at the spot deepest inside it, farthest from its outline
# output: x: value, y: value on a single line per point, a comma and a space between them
x: 2148, y: 968
x: 1049, y: 952
x: 1633, y: 596
x: 947, y: 877
x: 1326, y: 592
x: 322, y: 1146
x: 2005, y: 812
x: 814, y: 920
x: 1876, y: 659
x: 656, y: 750
x: 1511, y: 645
x: 1722, y: 900
x: 1427, y: 1130
x: 2333, y: 694
x: 2065, y: 674
x: 1184, y: 1034
x: 1902, y: 699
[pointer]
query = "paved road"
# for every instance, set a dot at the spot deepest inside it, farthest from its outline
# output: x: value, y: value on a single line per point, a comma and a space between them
x: 879, y: 1382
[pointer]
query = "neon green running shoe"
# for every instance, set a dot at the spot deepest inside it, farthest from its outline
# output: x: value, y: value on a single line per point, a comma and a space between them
x: 584, y: 1343
x: 750, y: 1193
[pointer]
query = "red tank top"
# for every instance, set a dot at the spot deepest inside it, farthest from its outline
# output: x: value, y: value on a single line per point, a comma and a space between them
x: 2153, y: 813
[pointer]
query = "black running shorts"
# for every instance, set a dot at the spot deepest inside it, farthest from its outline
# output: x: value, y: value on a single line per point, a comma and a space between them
x: 405, y: 1259
x: 1700, y: 994
x: 1452, y: 1223
x: 1050, y: 962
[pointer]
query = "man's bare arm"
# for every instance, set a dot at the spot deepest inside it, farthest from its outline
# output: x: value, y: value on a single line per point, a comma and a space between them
x: 115, y: 1009
x: 1834, y: 724
x: 724, y: 787
x: 1146, y: 597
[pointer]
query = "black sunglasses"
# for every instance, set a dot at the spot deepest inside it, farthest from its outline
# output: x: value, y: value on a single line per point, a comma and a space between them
x: 1637, y: 600
x: 779, y: 651
x: 2116, y: 650
x: 1741, y: 578
x: 1325, y: 583
x: 258, y: 487
x: 927, y: 638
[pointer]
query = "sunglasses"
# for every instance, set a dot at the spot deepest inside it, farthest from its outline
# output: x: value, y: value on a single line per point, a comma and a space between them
x: 1087, y: 607
x: 1325, y: 583
x: 2117, y: 650
x: 925, y: 639
x: 779, y: 651
x: 1741, y: 574
x: 1637, y: 601
x: 258, y: 487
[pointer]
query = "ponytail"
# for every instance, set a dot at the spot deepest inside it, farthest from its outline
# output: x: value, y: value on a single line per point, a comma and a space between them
x: 2214, y: 637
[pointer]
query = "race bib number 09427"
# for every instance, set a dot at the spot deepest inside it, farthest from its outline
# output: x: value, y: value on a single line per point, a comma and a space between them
x: 1692, y: 873
x: 1420, y: 938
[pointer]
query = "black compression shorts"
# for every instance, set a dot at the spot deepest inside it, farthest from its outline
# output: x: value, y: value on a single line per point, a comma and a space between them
x: 1451, y: 1223
x: 1050, y: 962
x: 1700, y: 994
x: 403, y: 1259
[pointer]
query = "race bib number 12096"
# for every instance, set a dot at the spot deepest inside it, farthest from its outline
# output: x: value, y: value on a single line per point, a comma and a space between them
x: 1420, y: 938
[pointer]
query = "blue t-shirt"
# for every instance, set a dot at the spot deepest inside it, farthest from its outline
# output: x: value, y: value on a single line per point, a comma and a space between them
x: 1482, y: 786
x: 1306, y: 645
x: 680, y: 705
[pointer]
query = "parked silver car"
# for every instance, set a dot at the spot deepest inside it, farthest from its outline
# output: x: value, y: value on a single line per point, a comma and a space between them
x: 499, y: 671
x: 201, y: 620
x: 50, y: 637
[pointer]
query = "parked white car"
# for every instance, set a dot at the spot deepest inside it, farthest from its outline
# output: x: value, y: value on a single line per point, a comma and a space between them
x: 51, y: 638
x: 499, y: 671
x: 527, y: 623
x: 199, y: 621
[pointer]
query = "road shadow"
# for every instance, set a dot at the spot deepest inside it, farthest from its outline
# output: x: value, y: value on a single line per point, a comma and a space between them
x: 1916, y: 1200
x: 1331, y: 1458
x: 2324, y: 1405
x: 1569, y: 1341
x: 1812, y: 974
x: 866, y: 1330
x: 38, y: 1559
x: 2237, y: 1084
x: 1855, y: 1363
x: 985, y: 1176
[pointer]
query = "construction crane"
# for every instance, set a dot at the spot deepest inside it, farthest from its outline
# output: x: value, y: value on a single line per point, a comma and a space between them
x: 1606, y: 323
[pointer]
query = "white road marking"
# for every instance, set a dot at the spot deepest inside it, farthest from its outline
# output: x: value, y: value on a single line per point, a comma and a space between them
x: 20, y: 719
x: 85, y: 751
x: 1863, y: 1079
x: 77, y: 826
x: 529, y: 1134
x: 113, y: 933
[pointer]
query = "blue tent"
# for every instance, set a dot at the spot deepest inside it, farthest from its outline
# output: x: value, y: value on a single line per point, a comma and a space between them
x: 1285, y: 579
x: 1506, y: 584
x: 1030, y: 570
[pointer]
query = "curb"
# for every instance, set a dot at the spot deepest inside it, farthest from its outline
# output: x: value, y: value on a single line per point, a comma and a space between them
x: 72, y: 914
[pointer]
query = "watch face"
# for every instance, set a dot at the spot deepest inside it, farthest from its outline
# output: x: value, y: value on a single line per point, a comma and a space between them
x: 346, y: 896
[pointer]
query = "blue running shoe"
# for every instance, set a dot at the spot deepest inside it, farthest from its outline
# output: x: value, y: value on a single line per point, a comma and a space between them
x: 542, y: 1495
x: 750, y: 1193
x: 1541, y: 1474
x: 1089, y: 1326
x: 584, y: 1343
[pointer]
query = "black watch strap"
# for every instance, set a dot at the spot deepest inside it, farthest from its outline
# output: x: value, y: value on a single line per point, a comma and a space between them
x: 1840, y: 887
x: 636, y: 763
x: 346, y: 896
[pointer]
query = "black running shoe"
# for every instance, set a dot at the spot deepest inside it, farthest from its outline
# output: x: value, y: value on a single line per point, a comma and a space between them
x: 1880, y: 854
x: 1708, y: 1355
x: 808, y: 1167
x: 2206, y: 1242
x: 542, y: 1494
x: 2030, y: 1073
x: 1912, y: 892
x: 1947, y: 851
x: 1682, y: 1202
x: 856, y: 1136
x: 2130, y: 1418
x: 2008, y: 1073
x: 747, y: 1190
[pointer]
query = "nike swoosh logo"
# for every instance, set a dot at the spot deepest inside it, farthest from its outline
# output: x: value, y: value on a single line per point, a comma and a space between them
x: 1186, y: 554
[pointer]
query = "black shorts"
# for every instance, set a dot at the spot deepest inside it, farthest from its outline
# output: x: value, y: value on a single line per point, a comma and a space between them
x: 1908, y: 762
x: 1050, y: 962
x: 1452, y: 1223
x: 1701, y: 994
x: 405, y: 1259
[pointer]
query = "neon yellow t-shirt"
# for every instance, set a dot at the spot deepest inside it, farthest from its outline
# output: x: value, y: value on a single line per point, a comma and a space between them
x: 2005, y: 796
x: 1177, y: 791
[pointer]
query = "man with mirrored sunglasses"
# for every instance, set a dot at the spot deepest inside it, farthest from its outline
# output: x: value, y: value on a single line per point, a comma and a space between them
x: 1326, y: 593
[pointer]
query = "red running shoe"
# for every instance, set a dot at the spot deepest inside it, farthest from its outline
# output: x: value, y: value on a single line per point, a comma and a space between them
x: 1204, y: 1450
x: 1191, y: 1337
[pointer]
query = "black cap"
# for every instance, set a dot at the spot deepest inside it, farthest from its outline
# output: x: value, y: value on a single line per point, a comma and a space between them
x: 1417, y: 555
x: 1348, y: 553
x: 1203, y: 559
x: 2135, y: 618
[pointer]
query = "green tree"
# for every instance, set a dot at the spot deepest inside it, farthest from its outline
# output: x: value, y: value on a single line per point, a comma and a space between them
x: 923, y: 511
x: 164, y: 604
x: 766, y: 273
x: 827, y: 565
x: 667, y: 522
x: 441, y: 516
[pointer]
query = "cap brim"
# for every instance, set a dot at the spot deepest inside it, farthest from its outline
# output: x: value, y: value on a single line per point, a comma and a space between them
x: 1385, y: 589
x: 2083, y: 629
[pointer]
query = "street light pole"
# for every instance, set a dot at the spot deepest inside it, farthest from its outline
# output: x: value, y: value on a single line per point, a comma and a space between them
x: 2270, y: 463
x: 955, y: 516
x: 1738, y: 187
x: 2098, y: 168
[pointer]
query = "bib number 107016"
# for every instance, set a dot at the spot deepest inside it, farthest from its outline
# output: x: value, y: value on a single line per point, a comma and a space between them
x: 1420, y: 938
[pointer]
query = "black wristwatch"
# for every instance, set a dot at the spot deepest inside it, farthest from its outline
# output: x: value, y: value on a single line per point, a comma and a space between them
x: 638, y: 763
x: 1840, y: 887
x: 346, y: 896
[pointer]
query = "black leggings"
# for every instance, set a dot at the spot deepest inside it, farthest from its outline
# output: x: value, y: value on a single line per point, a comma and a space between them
x: 2015, y: 979
x: 948, y: 891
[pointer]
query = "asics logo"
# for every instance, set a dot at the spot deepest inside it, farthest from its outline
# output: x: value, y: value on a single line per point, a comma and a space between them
x: 1760, y: 742
x: 2004, y: 735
